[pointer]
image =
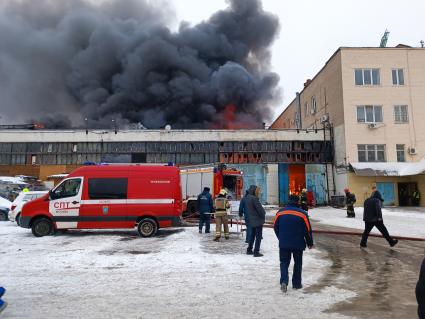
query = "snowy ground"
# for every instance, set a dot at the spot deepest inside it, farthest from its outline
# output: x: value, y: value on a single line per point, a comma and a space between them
x: 179, y: 274
x: 408, y: 222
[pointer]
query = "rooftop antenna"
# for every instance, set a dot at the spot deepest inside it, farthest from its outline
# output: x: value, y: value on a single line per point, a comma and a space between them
x: 422, y: 43
x: 384, y: 39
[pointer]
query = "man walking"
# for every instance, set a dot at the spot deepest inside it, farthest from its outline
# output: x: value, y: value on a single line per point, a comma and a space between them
x: 372, y: 217
x: 350, y: 199
x: 257, y: 218
x: 377, y: 194
x: 206, y: 208
x: 221, y: 205
x: 244, y: 213
x: 293, y: 230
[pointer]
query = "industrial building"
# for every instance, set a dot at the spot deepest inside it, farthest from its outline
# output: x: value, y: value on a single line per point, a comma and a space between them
x: 279, y: 161
x: 374, y: 99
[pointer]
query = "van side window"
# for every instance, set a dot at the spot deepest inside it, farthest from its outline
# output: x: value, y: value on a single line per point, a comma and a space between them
x: 68, y: 188
x: 108, y: 188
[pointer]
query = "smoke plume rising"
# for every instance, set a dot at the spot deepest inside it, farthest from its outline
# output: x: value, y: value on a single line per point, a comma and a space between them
x: 70, y: 63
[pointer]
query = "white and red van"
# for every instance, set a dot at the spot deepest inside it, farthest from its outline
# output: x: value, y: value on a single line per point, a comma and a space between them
x: 109, y: 196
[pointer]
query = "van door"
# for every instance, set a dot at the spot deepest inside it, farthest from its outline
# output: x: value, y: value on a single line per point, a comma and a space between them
x: 65, y: 201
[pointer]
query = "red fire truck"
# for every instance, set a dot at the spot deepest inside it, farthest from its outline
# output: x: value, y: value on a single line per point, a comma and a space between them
x: 195, y: 178
x: 109, y: 196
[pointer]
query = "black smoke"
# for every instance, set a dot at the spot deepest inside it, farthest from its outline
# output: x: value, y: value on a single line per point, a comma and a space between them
x: 71, y: 62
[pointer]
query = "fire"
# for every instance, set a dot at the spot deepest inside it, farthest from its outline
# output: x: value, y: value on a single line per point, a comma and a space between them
x: 229, y: 117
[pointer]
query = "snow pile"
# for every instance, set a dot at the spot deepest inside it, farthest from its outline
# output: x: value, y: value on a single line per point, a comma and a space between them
x: 399, y: 221
x: 178, y: 274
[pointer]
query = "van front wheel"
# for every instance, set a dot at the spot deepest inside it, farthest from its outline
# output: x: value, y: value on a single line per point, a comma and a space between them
x: 147, y: 227
x: 42, y: 227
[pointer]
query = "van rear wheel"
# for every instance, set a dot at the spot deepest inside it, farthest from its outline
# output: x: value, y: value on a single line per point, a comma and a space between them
x: 18, y: 219
x: 147, y: 227
x: 42, y: 227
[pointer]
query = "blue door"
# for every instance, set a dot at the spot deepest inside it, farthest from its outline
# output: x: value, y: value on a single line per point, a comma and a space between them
x: 283, y: 184
x: 387, y: 191
x: 254, y: 174
x: 316, y: 182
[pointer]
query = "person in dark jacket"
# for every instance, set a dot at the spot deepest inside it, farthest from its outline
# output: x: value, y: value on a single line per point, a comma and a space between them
x: 377, y: 194
x: 293, y: 229
x: 372, y: 217
x: 206, y: 208
x: 257, y: 218
x: 420, y: 292
x: 244, y: 213
x: 350, y: 200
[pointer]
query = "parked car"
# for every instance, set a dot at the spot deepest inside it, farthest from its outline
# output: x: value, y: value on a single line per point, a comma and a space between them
x: 18, y: 203
x: 4, y: 208
x: 109, y: 196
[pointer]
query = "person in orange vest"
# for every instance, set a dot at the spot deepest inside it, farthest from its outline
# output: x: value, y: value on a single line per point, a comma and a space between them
x: 293, y: 230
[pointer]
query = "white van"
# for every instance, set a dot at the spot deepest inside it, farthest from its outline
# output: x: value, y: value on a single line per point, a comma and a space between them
x: 18, y: 203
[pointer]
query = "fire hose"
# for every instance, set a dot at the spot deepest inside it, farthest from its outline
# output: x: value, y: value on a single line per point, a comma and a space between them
x: 319, y: 231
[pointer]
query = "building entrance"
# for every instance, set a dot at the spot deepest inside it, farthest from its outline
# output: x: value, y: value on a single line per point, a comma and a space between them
x: 405, y: 192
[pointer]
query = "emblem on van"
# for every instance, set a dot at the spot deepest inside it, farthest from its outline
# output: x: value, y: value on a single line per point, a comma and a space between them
x: 105, y: 210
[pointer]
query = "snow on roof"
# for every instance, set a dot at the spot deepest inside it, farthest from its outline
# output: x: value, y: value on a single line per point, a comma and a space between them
x: 57, y: 176
x: 12, y: 180
x: 388, y: 169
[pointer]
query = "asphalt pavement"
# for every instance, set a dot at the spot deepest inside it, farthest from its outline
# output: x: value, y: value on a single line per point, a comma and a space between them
x: 383, y: 278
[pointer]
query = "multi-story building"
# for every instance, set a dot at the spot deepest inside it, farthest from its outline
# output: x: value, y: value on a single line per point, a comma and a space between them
x: 374, y: 99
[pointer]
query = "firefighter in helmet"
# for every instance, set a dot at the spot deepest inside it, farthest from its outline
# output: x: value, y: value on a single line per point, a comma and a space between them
x: 303, y: 200
x: 221, y: 204
x: 350, y: 199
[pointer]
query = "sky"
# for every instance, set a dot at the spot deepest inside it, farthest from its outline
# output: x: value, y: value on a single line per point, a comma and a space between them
x: 312, y: 30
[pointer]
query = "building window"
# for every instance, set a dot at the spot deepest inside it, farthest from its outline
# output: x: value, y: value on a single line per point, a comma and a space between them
x: 367, y: 77
x: 398, y: 77
x: 369, y: 114
x: 313, y: 105
x: 400, y: 153
x: 49, y: 148
x: 400, y: 114
x: 371, y: 152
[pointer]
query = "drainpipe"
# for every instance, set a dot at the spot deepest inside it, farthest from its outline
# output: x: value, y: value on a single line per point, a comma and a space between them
x: 298, y: 98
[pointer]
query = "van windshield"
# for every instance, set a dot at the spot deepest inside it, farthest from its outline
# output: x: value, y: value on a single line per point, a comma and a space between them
x: 68, y: 188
